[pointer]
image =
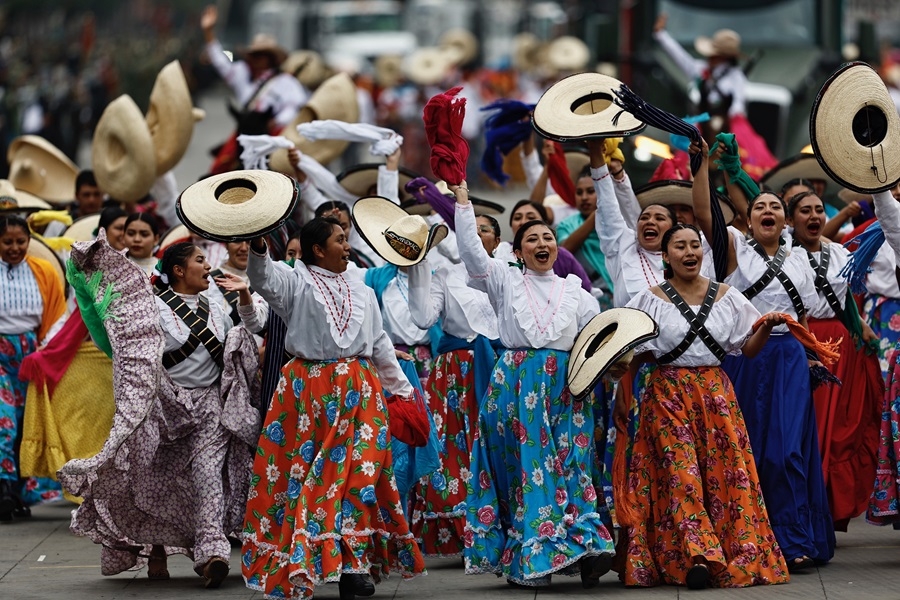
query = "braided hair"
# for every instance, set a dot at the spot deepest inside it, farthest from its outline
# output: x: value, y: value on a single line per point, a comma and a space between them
x: 176, y: 255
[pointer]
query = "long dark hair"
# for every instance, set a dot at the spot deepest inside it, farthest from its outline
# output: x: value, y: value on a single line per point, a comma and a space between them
x: 108, y: 215
x: 668, y: 273
x: 176, y: 255
x: 330, y: 206
x: 315, y: 233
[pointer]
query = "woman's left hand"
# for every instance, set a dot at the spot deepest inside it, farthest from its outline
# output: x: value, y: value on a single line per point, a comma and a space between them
x: 231, y: 283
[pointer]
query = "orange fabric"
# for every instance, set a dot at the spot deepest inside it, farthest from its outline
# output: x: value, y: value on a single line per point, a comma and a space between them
x: 51, y: 291
x: 829, y: 352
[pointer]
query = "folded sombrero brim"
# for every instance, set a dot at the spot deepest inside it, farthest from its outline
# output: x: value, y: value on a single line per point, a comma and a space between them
x: 855, y: 130
x: 238, y: 206
x: 801, y: 166
x: 602, y: 342
x: 82, y: 229
x: 580, y: 107
x: 374, y: 215
x: 19, y: 201
x: 669, y: 192
x: 359, y: 180
x: 38, y: 249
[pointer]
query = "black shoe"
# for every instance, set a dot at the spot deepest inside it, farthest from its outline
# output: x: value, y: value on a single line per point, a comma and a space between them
x: 593, y: 568
x: 8, y: 501
x: 215, y: 571
x: 354, y: 584
x: 697, y: 577
x: 800, y: 564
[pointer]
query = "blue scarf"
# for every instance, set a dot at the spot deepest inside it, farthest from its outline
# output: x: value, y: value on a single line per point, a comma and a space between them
x: 379, y: 278
x: 508, y: 127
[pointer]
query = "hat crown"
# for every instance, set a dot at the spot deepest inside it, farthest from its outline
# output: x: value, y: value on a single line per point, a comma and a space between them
x: 408, y: 235
x: 726, y: 42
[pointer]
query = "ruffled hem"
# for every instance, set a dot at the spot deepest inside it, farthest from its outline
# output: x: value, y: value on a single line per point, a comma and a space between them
x: 562, y: 315
x: 427, y: 532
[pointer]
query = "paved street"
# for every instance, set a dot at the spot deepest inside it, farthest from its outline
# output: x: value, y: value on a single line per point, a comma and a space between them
x: 40, y: 559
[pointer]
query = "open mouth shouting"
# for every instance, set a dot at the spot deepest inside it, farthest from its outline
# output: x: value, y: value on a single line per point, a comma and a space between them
x: 650, y: 234
x: 542, y: 257
x: 690, y: 263
x: 814, y: 228
x: 767, y: 222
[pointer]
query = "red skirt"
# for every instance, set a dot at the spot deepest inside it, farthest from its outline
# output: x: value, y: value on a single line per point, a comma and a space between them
x: 848, y: 419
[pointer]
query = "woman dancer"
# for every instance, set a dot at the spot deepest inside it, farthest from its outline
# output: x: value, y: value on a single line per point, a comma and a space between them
x: 31, y: 302
x: 532, y: 507
x: 693, y: 507
x: 141, y: 237
x: 847, y: 416
x: 323, y: 502
x: 468, y: 323
x: 772, y: 388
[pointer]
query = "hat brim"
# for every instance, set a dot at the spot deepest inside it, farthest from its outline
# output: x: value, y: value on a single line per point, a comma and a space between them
x: 179, y: 233
x: 602, y: 342
x: 38, y: 167
x: 25, y: 203
x: 170, y: 117
x: 854, y: 88
x: 580, y: 107
x: 374, y: 214
x: 122, y: 154
x: 360, y: 179
x: 38, y: 249
x: 801, y: 166
x: 82, y: 229
x: 482, y: 207
x: 238, y: 206
x: 669, y: 192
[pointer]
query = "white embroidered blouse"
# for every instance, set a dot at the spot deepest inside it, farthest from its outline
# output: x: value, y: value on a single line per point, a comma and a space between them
x: 466, y: 311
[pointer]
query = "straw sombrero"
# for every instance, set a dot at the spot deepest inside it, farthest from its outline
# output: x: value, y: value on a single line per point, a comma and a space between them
x: 568, y: 53
x: 388, y: 70
x: 122, y: 153
x: 855, y: 130
x: 668, y: 192
x: 427, y: 66
x: 525, y: 46
x: 265, y: 44
x: 581, y: 106
x: 360, y: 179
x: 606, y: 339
x: 170, y: 117
x: 459, y: 45
x: 724, y: 42
x: 82, y: 230
x: 239, y: 205
x: 334, y: 99
x: 307, y: 66
x: 801, y: 166
x: 179, y: 233
x: 38, y: 249
x: 38, y: 167
x: 13, y: 200
x: 398, y: 237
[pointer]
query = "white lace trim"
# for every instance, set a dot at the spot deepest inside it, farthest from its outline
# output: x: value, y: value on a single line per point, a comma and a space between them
x: 562, y: 310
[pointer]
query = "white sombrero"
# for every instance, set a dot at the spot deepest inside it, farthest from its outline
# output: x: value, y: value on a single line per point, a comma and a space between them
x: 801, y: 166
x: 238, y: 206
x: 459, y: 45
x: 482, y: 207
x: 568, y: 53
x: 122, y: 153
x: 38, y: 167
x: 307, y: 66
x: 576, y: 160
x: 13, y: 200
x: 668, y: 192
x: 179, y: 233
x: 398, y: 237
x: 82, y: 229
x: 38, y: 249
x: 580, y: 107
x: 360, y: 179
x: 604, y: 341
x: 427, y: 66
x: 170, y: 117
x: 855, y: 130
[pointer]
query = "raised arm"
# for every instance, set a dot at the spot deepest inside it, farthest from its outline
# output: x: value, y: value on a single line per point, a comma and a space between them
x: 426, y: 296
x: 691, y: 67
x: 888, y: 212
x: 235, y: 73
x: 389, y: 178
x: 702, y: 209
x: 628, y: 202
x: 479, y: 266
x: 325, y: 180
x: 276, y: 283
x: 608, y: 220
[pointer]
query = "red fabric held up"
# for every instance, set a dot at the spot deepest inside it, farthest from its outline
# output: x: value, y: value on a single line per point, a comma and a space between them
x: 443, y: 116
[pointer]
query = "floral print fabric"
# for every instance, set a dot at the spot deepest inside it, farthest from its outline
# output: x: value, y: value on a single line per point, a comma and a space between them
x: 439, y: 513
x: 693, y: 489
x: 883, y: 315
x: 13, y: 349
x: 884, y: 505
x: 532, y: 504
x: 323, y: 500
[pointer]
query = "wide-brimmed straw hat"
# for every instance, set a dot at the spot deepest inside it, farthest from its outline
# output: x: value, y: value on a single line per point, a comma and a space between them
x: 568, y: 53
x: 238, y: 206
x: 13, y: 200
x: 481, y: 206
x: 606, y: 339
x: 460, y: 46
x: 388, y: 70
x: 855, y: 130
x: 83, y: 228
x: 334, y: 99
x: 265, y: 44
x: 122, y: 154
x: 39, y: 249
x: 307, y: 66
x: 724, y: 42
x: 581, y: 106
x: 170, y: 117
x: 179, y: 233
x: 427, y: 66
x: 398, y: 237
x: 525, y: 50
x: 38, y: 167
x: 801, y: 166
x: 668, y: 192
x: 360, y: 179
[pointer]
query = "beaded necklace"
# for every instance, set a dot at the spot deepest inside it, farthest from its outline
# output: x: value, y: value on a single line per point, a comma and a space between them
x: 340, y: 313
x: 647, y: 268
x: 541, y: 317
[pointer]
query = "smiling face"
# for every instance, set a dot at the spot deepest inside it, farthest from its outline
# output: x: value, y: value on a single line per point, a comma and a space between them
x: 334, y: 255
x: 238, y: 254
x: 767, y: 218
x: 684, y: 254
x: 654, y: 221
x: 585, y: 196
x: 193, y: 277
x: 538, y: 250
x: 808, y: 219
x: 523, y: 214
x: 140, y: 239
x: 14, y: 245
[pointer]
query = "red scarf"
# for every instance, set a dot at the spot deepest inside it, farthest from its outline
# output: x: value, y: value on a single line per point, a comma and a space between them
x: 443, y: 116
x: 48, y: 365
x: 559, y: 176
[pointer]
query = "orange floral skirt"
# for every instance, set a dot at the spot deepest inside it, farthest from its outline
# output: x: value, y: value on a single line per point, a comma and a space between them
x: 693, y: 489
x: 323, y: 500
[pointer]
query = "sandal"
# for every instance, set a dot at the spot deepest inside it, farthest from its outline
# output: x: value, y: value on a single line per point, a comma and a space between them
x: 697, y: 576
x: 156, y: 565
x: 215, y: 571
x: 800, y: 564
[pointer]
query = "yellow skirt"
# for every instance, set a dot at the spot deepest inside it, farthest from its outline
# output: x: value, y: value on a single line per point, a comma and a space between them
x: 74, y: 422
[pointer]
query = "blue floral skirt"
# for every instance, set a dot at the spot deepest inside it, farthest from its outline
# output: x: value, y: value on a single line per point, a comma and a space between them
x: 532, y: 502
